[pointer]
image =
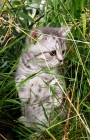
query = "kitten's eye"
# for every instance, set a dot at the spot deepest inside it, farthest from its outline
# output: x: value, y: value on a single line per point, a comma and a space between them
x: 53, y: 53
x: 63, y: 52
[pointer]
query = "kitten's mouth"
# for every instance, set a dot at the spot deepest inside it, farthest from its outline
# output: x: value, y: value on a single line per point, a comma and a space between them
x: 61, y: 63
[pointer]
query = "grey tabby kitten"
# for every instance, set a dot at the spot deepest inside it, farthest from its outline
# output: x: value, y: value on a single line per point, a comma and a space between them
x: 46, y: 49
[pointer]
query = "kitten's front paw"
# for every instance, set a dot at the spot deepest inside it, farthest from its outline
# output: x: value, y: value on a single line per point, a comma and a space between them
x: 24, y: 121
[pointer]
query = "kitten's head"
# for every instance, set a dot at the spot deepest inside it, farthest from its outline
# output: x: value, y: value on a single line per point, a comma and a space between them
x: 48, y: 45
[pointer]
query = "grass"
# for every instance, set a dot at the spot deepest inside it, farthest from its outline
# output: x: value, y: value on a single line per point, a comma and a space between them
x: 76, y: 68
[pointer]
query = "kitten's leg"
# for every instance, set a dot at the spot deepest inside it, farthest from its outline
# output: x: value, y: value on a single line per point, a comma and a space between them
x: 58, y: 96
x: 23, y: 88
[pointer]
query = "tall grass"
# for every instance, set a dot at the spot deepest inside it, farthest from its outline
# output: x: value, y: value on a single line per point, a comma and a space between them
x: 15, y: 22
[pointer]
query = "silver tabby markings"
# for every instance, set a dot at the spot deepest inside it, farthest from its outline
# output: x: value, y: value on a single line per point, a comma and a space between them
x: 47, y: 48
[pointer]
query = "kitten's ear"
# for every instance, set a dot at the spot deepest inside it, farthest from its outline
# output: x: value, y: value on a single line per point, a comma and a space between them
x: 64, y: 30
x: 36, y: 35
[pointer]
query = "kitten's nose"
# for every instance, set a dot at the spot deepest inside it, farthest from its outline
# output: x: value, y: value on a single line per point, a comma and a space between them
x: 60, y: 58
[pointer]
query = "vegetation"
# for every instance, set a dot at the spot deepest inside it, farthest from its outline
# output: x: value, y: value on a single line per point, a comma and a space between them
x: 15, y: 22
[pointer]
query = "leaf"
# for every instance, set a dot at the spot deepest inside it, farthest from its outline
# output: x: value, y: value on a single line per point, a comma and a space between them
x: 83, y: 17
x: 28, y: 78
x: 55, y: 4
x: 82, y: 4
x: 4, y: 64
x: 13, y: 101
x: 72, y: 10
x: 16, y: 3
x: 44, y: 110
x: 52, y: 90
x: 25, y: 16
x: 68, y: 4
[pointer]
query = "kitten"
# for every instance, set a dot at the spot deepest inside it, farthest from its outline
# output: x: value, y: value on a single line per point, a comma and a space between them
x: 45, y: 49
